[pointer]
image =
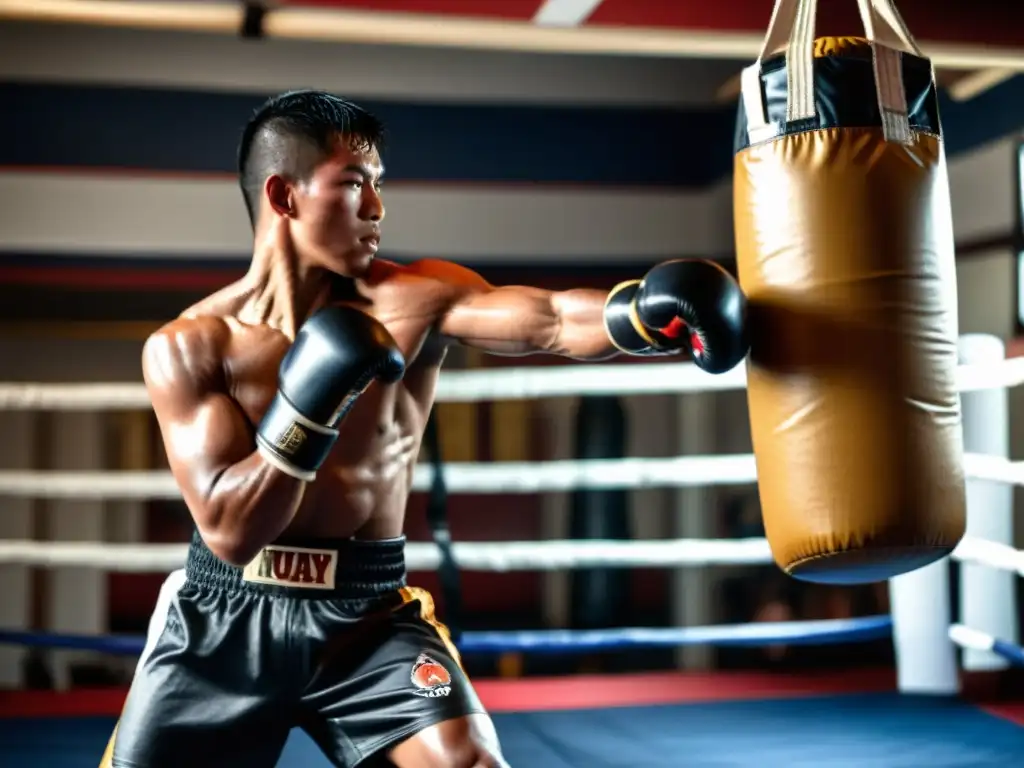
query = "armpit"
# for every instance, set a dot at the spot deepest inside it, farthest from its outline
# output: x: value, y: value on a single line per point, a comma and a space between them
x: 434, y: 349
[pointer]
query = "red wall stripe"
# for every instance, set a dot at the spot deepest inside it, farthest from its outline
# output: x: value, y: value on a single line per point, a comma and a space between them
x: 501, y: 9
x: 982, y: 22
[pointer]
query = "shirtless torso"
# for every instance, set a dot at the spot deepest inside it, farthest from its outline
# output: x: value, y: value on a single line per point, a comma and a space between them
x: 362, y: 488
x: 213, y: 372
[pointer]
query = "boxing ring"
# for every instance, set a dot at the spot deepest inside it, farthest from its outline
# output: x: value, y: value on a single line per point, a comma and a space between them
x: 917, y: 715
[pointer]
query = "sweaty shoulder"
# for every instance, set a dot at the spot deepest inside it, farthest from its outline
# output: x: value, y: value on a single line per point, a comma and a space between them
x: 446, y: 272
x: 445, y: 279
x: 186, y: 356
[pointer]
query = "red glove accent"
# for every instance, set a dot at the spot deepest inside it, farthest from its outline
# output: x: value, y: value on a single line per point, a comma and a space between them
x: 674, y: 329
x: 677, y: 328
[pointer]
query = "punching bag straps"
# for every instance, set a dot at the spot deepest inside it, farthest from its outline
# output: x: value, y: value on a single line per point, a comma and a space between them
x: 437, y: 519
x: 779, y: 28
x: 793, y: 21
x: 888, y: 35
x: 783, y: 18
x: 792, y: 26
x: 800, y: 63
x: 892, y: 94
x: 883, y: 24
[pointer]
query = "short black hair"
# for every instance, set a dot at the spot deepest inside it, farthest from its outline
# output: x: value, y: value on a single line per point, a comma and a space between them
x: 294, y: 131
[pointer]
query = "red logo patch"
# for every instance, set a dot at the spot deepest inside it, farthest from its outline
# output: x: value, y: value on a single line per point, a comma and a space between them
x: 430, y: 678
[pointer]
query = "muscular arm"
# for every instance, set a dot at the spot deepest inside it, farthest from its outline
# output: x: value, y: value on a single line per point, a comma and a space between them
x: 519, y: 320
x: 239, y: 502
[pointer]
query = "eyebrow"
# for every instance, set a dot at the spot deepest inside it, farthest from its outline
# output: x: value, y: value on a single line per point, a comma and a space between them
x: 366, y: 171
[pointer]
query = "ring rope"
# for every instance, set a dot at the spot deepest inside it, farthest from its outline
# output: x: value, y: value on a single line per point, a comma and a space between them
x: 992, y: 554
x: 421, y: 556
x: 822, y: 632
x: 976, y: 640
x: 469, y: 477
x: 564, y: 641
x: 483, y: 556
x: 497, y: 384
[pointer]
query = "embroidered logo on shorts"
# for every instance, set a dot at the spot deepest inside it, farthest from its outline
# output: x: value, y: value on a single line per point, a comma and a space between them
x: 431, y: 679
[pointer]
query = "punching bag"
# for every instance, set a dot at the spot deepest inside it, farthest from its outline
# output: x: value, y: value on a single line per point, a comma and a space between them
x: 844, y: 242
x: 600, y: 596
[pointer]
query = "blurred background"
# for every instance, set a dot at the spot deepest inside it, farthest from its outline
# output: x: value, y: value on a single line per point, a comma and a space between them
x: 563, y: 143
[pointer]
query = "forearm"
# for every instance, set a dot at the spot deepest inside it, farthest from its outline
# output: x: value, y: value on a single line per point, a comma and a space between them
x: 581, y: 332
x: 248, y: 506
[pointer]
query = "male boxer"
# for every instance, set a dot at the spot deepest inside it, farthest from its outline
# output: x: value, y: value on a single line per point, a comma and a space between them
x: 292, y: 404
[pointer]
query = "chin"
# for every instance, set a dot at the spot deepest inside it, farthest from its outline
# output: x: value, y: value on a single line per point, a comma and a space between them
x: 353, y: 265
x: 362, y: 263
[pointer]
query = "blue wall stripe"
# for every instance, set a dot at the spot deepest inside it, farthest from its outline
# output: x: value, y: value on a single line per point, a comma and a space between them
x: 190, y: 131
x: 168, y: 130
x: 993, y: 114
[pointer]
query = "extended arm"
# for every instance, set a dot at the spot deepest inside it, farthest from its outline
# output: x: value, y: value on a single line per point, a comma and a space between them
x: 517, y: 320
x: 680, y: 306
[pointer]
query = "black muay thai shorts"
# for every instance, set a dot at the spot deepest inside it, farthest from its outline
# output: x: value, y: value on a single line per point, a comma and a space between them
x: 319, y: 635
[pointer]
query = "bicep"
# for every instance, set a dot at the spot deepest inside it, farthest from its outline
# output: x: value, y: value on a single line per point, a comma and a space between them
x: 204, y: 430
x: 504, y: 320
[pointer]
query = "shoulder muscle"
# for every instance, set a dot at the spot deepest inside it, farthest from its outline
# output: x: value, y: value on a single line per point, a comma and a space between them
x: 448, y: 274
x: 184, y: 360
x: 448, y: 282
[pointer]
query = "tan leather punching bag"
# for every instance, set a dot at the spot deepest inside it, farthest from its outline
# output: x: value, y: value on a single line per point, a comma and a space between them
x: 844, y: 243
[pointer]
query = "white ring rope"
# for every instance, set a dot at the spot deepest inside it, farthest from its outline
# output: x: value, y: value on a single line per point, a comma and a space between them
x: 1002, y: 557
x: 523, y: 477
x: 483, y: 556
x: 570, y: 380
x: 469, y: 477
x: 976, y: 640
x: 973, y: 639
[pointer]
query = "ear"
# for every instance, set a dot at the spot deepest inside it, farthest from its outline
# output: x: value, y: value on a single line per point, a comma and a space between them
x: 280, y: 196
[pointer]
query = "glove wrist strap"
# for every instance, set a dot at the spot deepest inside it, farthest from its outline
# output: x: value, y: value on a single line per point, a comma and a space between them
x: 620, y: 321
x: 291, y: 442
x: 622, y: 324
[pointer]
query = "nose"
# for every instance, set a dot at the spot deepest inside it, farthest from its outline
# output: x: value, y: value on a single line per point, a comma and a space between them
x: 373, y: 205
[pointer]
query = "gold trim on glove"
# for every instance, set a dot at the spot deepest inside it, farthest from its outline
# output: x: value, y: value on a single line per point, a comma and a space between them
x: 638, y: 326
x: 608, y: 300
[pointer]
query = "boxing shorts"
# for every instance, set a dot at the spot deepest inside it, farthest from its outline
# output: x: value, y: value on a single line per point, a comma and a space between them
x: 319, y: 635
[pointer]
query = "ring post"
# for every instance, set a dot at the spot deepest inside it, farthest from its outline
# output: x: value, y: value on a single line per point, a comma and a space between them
x: 988, y: 600
x: 925, y: 658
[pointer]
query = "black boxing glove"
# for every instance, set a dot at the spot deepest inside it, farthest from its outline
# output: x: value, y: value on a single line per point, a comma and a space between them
x: 337, y: 353
x: 685, y: 304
